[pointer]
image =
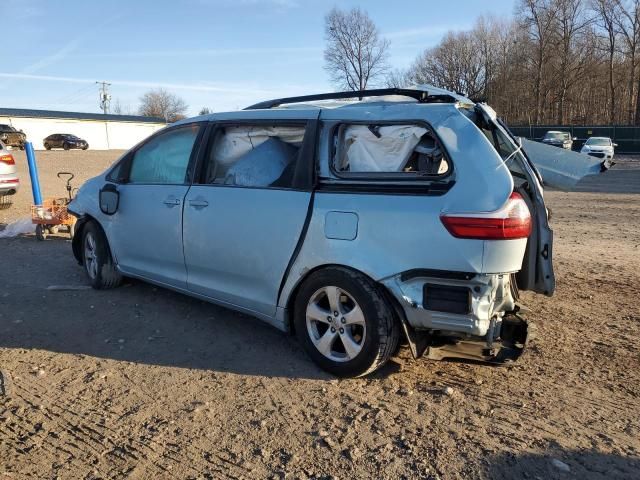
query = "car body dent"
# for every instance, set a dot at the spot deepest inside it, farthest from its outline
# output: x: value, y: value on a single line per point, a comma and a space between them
x: 488, y: 295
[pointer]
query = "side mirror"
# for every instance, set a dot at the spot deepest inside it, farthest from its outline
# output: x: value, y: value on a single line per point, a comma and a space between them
x: 109, y: 199
x: 574, y: 138
x: 615, y: 144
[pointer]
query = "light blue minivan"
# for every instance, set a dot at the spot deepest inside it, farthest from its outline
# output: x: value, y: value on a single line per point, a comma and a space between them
x: 408, y: 216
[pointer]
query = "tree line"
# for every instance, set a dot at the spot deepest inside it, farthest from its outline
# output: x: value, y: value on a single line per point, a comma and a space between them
x: 551, y: 62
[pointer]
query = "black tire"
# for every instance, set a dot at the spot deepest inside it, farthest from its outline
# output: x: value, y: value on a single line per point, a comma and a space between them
x: 65, y: 146
x: 47, y: 146
x: 85, y: 147
x: 382, y: 330
x: 41, y: 233
x: 103, y: 274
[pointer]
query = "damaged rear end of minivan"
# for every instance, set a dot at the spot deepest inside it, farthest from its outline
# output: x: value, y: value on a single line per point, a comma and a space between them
x: 497, y: 210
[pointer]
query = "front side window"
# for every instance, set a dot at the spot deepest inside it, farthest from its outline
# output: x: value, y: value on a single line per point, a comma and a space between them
x: 259, y: 156
x: 390, y: 149
x: 165, y: 158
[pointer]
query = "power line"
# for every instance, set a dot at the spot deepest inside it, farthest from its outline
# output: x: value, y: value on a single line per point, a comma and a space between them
x: 105, y: 96
x: 74, y: 96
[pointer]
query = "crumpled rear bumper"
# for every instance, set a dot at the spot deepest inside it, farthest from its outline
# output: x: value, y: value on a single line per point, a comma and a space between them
x: 458, y: 302
x: 459, y: 315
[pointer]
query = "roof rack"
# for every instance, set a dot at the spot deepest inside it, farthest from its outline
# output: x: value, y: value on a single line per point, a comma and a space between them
x: 421, y: 96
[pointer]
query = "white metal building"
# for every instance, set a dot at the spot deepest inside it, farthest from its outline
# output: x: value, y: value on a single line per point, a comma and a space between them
x: 102, y: 132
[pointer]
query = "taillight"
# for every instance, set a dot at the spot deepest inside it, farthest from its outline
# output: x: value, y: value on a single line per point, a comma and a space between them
x: 8, y: 159
x: 509, y: 222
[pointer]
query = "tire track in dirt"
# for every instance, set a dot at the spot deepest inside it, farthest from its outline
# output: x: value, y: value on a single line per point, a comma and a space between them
x: 75, y: 425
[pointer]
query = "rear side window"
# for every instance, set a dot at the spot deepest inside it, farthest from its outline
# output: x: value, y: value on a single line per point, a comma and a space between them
x: 388, y: 149
x: 260, y: 156
x: 165, y: 158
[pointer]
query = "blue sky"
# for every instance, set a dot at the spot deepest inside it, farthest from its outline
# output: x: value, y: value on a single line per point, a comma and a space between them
x: 221, y: 54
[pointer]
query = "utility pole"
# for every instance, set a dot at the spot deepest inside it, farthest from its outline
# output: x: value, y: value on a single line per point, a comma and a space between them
x: 105, y: 96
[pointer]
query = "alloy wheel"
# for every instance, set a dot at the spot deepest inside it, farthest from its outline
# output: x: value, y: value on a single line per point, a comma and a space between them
x: 335, y: 324
x: 90, y: 255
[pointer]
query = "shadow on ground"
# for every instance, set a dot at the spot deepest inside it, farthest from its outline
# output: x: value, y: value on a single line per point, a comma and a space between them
x: 136, y: 322
x: 585, y: 464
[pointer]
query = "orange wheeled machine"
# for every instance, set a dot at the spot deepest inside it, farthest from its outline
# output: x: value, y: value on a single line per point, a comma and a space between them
x: 53, y: 213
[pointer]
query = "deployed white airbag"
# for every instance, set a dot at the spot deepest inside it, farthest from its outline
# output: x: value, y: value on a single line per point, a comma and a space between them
x: 561, y: 168
x: 388, y: 151
x: 261, y: 166
x: 237, y: 141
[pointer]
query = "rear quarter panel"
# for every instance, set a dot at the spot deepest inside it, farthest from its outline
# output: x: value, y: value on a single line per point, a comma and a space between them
x: 398, y: 232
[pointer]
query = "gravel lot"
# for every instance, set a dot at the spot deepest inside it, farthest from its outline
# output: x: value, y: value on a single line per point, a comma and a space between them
x: 140, y: 382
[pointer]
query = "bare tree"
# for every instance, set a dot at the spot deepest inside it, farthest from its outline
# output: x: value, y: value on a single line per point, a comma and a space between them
x: 572, y: 22
x: 555, y: 61
x: 454, y: 64
x: 355, y: 55
x: 117, y: 108
x: 538, y: 17
x: 160, y: 103
x: 628, y: 22
x: 607, y: 14
x: 397, y: 78
x: 120, y: 109
x: 204, y: 111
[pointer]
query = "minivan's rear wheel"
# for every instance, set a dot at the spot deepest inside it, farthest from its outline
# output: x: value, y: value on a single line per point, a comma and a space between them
x: 98, y: 264
x: 344, y: 322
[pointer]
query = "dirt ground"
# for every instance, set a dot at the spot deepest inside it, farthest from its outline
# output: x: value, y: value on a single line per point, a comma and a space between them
x: 140, y: 382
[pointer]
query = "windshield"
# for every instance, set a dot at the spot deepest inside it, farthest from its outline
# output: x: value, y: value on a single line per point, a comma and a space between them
x: 556, y: 136
x: 600, y: 142
x: 72, y: 137
x: 7, y: 128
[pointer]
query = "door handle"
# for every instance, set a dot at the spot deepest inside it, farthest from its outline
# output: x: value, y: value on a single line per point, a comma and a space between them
x: 171, y: 202
x: 198, y: 203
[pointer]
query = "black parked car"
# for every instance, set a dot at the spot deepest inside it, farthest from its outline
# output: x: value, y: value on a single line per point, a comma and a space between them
x: 64, y: 140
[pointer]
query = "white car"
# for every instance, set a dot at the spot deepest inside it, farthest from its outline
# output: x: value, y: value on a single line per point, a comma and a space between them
x: 601, y: 147
x: 9, y: 181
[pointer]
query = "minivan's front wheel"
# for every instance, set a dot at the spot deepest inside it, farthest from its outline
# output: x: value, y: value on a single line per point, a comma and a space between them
x: 344, y: 322
x: 96, y: 257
